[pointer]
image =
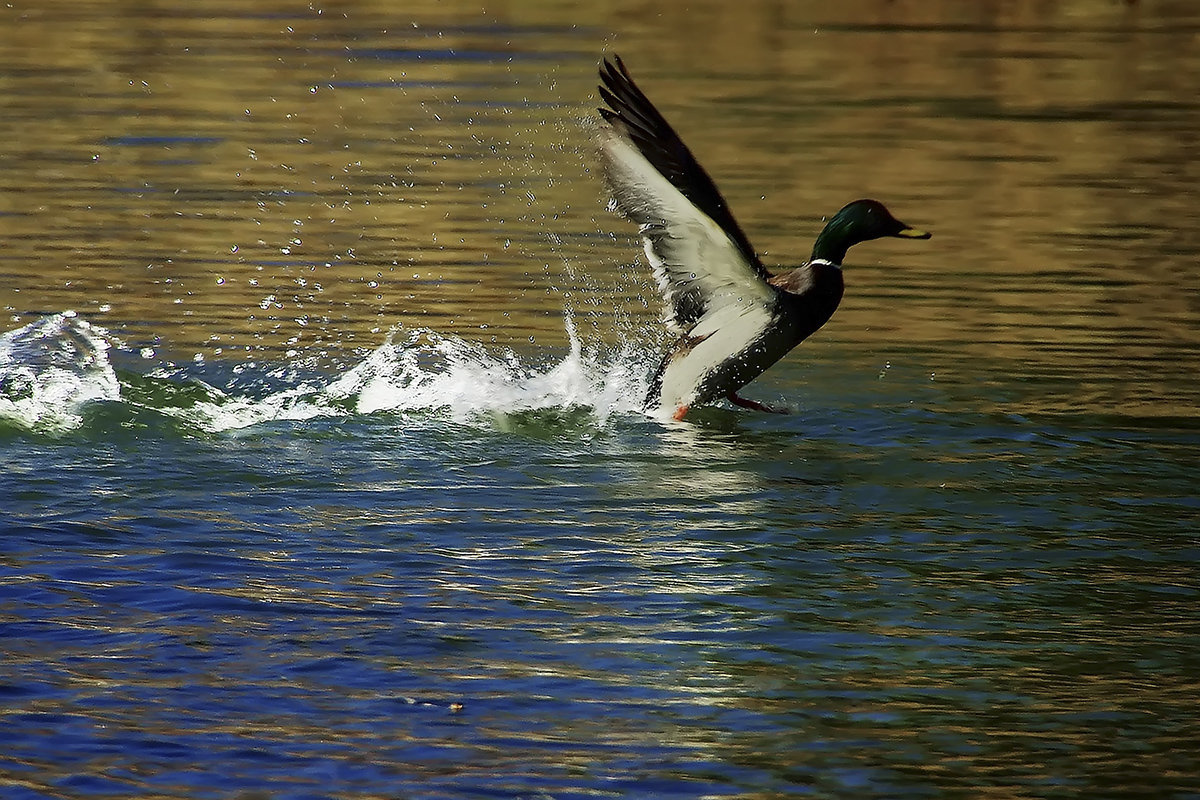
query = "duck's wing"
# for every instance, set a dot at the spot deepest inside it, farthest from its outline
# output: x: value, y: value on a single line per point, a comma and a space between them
x: 701, y: 258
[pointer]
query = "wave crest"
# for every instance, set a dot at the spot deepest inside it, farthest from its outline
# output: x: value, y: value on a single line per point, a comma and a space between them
x: 51, y: 369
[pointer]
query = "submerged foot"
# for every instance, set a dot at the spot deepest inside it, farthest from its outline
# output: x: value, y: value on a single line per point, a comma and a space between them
x: 751, y: 404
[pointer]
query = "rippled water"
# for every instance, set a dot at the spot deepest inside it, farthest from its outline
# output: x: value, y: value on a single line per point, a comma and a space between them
x: 324, y: 474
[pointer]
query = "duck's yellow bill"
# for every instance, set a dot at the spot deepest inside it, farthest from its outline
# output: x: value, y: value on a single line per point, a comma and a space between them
x: 913, y: 233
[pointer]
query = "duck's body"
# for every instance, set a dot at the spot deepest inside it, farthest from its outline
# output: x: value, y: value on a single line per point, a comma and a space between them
x: 734, y: 319
x: 738, y: 342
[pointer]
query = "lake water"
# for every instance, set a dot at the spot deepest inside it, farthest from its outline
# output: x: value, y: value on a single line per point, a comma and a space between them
x: 324, y: 473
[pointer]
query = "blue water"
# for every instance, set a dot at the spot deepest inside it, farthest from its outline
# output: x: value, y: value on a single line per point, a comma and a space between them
x: 373, y: 595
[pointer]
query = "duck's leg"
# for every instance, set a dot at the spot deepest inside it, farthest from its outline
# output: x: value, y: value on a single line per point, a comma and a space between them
x: 681, y: 412
x: 753, y: 404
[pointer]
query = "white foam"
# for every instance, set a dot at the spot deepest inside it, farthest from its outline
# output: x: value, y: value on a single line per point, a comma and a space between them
x: 423, y: 370
x: 233, y: 413
x: 50, y: 369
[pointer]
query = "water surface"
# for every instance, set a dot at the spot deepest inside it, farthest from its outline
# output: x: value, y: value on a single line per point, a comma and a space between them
x: 324, y: 469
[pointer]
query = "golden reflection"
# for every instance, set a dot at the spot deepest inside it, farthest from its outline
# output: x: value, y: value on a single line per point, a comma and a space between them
x: 295, y: 183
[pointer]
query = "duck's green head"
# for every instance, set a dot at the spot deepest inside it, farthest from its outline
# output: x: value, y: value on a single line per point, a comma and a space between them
x: 859, y: 221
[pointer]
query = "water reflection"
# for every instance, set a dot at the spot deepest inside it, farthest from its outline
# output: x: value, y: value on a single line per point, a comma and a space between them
x: 303, y: 185
x: 966, y: 558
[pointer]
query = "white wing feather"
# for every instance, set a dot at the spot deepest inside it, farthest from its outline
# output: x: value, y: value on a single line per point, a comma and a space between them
x: 701, y: 272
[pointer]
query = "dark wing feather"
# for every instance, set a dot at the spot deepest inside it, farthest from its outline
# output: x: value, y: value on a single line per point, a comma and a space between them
x: 632, y: 113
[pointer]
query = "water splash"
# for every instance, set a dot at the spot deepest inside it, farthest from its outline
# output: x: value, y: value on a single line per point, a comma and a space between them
x: 51, y: 369
x: 423, y: 370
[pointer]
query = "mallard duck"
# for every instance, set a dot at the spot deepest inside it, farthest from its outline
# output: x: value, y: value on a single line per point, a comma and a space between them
x: 733, y: 317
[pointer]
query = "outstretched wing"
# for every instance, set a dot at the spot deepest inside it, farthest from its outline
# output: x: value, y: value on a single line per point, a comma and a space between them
x: 701, y: 258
